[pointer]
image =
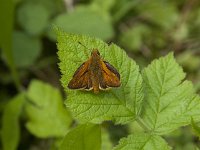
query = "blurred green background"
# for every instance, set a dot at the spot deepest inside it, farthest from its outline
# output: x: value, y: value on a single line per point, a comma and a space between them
x: 145, y: 29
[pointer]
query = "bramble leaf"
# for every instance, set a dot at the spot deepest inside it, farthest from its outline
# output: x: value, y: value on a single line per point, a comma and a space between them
x: 46, y: 113
x: 142, y: 141
x: 83, y: 137
x: 121, y: 104
x: 170, y: 102
x: 10, y: 123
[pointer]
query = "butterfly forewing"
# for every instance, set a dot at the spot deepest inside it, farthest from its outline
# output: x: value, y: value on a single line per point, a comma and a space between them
x: 81, y: 78
x: 110, y: 76
x: 112, y: 69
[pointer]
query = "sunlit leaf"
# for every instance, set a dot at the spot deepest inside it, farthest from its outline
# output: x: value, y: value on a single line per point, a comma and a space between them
x: 142, y: 141
x: 47, y: 116
x: 120, y: 105
x: 170, y: 102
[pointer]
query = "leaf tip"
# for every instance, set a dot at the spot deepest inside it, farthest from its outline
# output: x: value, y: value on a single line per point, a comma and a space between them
x: 171, y: 55
x: 56, y: 29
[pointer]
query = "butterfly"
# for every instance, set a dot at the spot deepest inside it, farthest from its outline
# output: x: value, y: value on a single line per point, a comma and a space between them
x: 95, y: 74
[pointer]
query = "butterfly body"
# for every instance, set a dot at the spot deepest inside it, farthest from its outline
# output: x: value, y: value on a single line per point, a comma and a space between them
x: 95, y: 74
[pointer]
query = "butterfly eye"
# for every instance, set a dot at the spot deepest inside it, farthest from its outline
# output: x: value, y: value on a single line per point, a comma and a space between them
x: 98, y: 53
x: 94, y: 52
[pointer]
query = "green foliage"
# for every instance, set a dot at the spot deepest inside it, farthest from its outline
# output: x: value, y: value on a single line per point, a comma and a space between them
x: 52, y: 6
x: 133, y: 38
x: 119, y: 104
x: 105, y: 6
x: 46, y: 114
x: 142, y: 141
x: 195, y: 128
x: 170, y: 102
x: 33, y: 18
x: 10, y: 134
x: 83, y: 137
x: 85, y: 21
x: 158, y: 102
x: 6, y: 29
x: 162, y: 13
x: 26, y: 49
x: 122, y: 8
x: 106, y: 143
x: 189, y: 60
x: 181, y: 33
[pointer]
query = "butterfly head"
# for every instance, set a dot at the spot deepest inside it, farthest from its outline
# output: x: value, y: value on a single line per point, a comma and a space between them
x: 95, y: 52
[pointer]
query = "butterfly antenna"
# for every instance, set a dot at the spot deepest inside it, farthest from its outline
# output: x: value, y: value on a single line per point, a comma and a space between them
x: 84, y: 49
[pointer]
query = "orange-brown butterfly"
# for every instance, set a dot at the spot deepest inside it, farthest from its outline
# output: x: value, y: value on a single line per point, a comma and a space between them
x: 95, y: 74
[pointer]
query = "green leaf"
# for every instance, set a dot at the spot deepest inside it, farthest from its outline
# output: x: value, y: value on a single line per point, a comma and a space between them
x: 34, y: 18
x: 118, y: 104
x: 170, y: 101
x: 26, y: 49
x: 10, y: 123
x: 45, y: 110
x: 142, y: 141
x: 83, y: 137
x: 84, y: 20
x: 6, y: 29
x: 105, y: 6
x: 52, y: 6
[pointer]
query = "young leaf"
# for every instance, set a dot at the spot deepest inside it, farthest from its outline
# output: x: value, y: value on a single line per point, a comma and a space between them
x: 46, y: 113
x: 118, y: 104
x: 170, y: 102
x: 142, y: 141
x: 10, y: 123
x: 83, y: 137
